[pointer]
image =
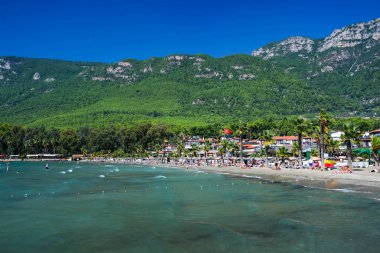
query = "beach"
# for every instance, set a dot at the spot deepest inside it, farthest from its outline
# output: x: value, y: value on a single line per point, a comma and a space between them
x: 361, y: 178
x: 328, y: 179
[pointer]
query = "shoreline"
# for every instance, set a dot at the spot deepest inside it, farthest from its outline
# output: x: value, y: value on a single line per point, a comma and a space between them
x: 360, y: 180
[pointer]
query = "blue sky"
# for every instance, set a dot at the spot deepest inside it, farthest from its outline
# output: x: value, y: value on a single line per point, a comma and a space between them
x: 112, y: 30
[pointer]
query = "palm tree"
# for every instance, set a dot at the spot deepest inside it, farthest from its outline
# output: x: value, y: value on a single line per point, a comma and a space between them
x: 375, y: 143
x: 180, y: 148
x: 186, y: 152
x: 283, y: 153
x: 194, y: 150
x: 301, y: 126
x: 223, y: 148
x: 332, y: 146
x: 232, y: 147
x: 314, y: 133
x: 325, y: 121
x: 206, y: 148
x: 351, y: 134
x: 295, y: 149
x: 267, y: 138
x: 240, y: 130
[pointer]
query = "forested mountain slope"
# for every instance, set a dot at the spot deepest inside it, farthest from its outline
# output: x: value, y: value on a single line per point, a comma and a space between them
x: 345, y: 64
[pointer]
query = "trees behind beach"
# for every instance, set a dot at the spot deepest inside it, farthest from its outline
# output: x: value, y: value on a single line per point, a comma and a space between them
x: 144, y: 137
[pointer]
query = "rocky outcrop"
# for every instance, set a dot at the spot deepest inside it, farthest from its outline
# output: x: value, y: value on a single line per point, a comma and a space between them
x: 5, y: 64
x: 367, y: 34
x: 351, y: 36
x: 36, y: 76
x: 290, y: 45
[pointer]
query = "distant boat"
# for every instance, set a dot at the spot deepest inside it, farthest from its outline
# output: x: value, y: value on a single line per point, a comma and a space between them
x: 47, y: 166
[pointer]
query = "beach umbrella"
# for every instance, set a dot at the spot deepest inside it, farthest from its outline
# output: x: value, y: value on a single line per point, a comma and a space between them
x: 329, y: 163
x: 361, y: 151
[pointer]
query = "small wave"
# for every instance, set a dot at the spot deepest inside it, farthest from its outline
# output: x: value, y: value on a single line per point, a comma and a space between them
x: 70, y: 170
x: 344, y: 190
x: 200, y: 171
x: 109, y: 165
x: 160, y: 177
x: 77, y: 167
x: 62, y: 172
x: 350, y: 191
x: 247, y: 176
x: 116, y: 170
x: 102, y: 176
x: 376, y: 199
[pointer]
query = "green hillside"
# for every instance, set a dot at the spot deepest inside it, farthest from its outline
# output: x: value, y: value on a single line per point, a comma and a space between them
x: 178, y: 90
x: 356, y: 78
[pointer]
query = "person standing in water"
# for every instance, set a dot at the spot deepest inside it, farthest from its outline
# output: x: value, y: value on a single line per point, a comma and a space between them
x: 7, y: 167
x: 47, y: 166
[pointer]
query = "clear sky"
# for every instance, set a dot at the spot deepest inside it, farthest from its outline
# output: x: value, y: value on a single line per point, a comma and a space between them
x: 112, y: 30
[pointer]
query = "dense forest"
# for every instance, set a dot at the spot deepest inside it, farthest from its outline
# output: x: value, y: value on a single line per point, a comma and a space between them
x: 142, y: 138
x: 180, y: 90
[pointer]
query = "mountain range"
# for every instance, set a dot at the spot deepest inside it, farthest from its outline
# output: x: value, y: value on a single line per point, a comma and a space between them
x: 296, y: 76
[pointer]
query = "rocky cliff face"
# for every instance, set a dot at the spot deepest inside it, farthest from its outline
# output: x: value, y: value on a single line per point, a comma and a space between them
x: 365, y: 34
x: 290, y: 45
x: 346, y: 51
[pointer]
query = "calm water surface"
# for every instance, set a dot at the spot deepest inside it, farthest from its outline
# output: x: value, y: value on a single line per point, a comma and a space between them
x: 122, y: 208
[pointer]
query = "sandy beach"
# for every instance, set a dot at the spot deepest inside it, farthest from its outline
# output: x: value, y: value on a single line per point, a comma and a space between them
x: 360, y: 179
x: 330, y: 179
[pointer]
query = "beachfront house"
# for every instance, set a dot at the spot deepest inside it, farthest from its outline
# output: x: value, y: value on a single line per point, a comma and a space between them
x: 195, y: 140
x: 251, y: 146
x: 200, y: 143
x: 284, y: 141
x: 337, y: 136
x: 308, y: 143
x: 365, y: 140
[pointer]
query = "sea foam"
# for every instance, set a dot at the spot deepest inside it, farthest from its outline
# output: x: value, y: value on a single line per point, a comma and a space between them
x: 160, y: 177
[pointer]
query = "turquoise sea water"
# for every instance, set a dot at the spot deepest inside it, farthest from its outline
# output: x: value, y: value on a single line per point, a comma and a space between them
x: 123, y: 208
